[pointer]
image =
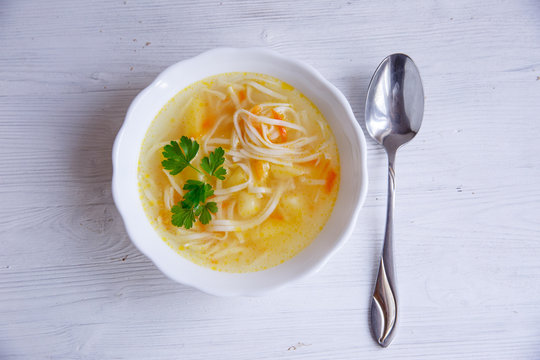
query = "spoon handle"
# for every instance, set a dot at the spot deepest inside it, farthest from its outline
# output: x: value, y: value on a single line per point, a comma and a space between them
x: 384, y: 302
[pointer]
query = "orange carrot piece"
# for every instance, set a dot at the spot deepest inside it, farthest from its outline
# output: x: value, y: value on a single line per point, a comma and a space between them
x: 241, y: 95
x: 330, y: 180
x: 276, y: 115
x: 282, y: 130
x: 283, y: 133
x: 257, y: 126
x: 261, y: 169
x: 325, y: 165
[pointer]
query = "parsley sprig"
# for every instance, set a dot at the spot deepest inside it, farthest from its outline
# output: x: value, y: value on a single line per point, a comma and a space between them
x: 178, y: 156
x: 212, y: 164
x: 194, y: 206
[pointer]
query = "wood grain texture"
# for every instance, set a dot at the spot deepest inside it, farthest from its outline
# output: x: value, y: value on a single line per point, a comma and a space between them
x: 72, y: 286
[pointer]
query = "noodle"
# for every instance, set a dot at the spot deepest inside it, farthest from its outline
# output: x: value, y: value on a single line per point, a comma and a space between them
x: 265, y: 90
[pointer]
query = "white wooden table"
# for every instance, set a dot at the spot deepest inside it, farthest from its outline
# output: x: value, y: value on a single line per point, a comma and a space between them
x: 72, y: 286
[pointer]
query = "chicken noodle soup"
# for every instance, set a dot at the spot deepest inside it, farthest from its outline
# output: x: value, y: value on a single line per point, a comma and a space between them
x: 282, y: 171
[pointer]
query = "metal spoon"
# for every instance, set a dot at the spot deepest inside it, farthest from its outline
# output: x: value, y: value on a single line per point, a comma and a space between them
x: 394, y: 111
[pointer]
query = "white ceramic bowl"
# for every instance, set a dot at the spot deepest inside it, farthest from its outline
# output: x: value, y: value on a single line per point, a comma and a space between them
x: 334, y: 107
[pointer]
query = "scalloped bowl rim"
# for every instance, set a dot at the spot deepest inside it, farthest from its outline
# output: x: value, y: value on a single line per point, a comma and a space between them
x: 330, y: 101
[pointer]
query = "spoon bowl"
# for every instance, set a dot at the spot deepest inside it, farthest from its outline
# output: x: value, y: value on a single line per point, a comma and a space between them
x: 395, y: 102
x: 394, y: 111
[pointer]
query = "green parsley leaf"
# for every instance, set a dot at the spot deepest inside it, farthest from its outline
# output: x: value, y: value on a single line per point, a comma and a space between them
x: 177, y: 156
x: 197, y: 191
x: 193, y: 206
x: 189, y: 147
x: 183, y: 215
x: 203, y: 212
x: 212, y: 163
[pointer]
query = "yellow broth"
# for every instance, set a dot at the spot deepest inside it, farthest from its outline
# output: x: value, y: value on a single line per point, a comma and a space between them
x: 301, y: 185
